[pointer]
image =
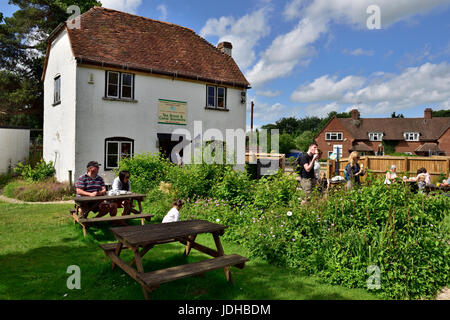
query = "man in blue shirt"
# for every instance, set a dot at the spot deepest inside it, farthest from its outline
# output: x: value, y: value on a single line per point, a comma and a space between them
x: 92, y: 185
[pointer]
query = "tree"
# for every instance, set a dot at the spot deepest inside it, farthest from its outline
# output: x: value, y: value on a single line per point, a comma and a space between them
x: 304, y: 140
x: 393, y: 115
x: 22, y: 53
x: 441, y: 113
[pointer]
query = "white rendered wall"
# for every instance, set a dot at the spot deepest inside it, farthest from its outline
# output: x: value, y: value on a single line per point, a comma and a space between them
x: 98, y: 119
x: 15, y: 146
x: 59, y: 120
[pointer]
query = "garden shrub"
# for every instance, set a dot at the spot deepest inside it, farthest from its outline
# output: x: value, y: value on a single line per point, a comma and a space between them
x: 41, y: 171
x: 40, y: 191
x: 236, y: 187
x: 274, y: 191
x: 146, y: 171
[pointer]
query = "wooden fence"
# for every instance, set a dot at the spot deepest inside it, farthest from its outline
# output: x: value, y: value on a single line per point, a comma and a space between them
x: 406, y: 166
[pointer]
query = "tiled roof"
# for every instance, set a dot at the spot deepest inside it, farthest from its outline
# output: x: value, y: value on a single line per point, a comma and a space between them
x: 394, y: 128
x: 428, y: 147
x: 113, y: 38
x: 361, y: 146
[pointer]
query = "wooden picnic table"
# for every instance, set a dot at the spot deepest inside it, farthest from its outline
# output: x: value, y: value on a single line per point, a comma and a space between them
x: 140, y: 239
x: 86, y: 205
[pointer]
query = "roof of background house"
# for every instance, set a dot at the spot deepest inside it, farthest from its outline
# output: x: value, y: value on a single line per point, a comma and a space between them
x: 394, y: 128
x: 361, y: 146
x: 428, y: 147
x: 111, y: 38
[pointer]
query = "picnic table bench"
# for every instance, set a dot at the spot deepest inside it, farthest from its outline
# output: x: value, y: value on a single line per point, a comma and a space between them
x: 85, y: 205
x: 432, y: 188
x: 141, y: 239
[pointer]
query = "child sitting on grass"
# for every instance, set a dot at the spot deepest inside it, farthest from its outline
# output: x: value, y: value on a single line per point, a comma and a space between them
x: 174, y: 214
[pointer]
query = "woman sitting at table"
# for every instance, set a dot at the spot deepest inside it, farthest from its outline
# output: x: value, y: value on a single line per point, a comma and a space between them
x: 446, y: 182
x: 423, y: 179
x: 391, y: 175
x: 122, y: 183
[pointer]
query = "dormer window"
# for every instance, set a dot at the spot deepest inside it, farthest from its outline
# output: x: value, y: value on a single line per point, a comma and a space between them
x: 411, y: 136
x: 376, y: 136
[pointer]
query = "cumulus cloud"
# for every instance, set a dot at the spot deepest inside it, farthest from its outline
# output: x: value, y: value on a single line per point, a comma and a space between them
x: 129, y: 6
x: 315, y: 17
x: 326, y: 88
x: 425, y: 85
x: 244, y: 33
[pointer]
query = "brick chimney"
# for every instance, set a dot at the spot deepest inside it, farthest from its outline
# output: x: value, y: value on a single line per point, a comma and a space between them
x: 355, y: 114
x: 428, y: 113
x: 226, y: 47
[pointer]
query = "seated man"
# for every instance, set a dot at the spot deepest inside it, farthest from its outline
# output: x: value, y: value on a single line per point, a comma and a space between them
x: 92, y: 185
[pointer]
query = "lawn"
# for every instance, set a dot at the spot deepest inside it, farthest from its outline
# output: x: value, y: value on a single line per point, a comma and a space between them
x: 39, y: 243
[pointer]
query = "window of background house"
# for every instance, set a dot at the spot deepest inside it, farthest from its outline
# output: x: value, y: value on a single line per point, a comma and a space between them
x: 333, y: 136
x: 57, y: 96
x: 411, y: 136
x: 375, y: 136
x: 113, y: 85
x: 117, y: 149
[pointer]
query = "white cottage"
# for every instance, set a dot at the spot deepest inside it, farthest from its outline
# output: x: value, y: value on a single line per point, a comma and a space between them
x: 120, y: 84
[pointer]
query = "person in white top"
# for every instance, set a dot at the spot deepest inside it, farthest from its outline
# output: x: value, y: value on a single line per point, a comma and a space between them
x: 174, y: 214
x: 391, y: 175
x: 121, y: 184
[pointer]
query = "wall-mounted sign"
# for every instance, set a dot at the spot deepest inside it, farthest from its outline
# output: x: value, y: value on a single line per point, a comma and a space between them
x: 172, y: 112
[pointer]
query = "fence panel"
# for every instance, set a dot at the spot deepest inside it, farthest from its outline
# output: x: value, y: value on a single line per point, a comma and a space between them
x: 408, y: 166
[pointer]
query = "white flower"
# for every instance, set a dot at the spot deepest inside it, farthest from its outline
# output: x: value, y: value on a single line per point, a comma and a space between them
x: 289, y: 213
x: 217, y: 220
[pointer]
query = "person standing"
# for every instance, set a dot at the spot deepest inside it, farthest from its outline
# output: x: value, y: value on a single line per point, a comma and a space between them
x: 353, y: 171
x: 306, y: 170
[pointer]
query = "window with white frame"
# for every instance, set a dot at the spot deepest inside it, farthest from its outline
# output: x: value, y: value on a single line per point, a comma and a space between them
x: 119, y: 85
x: 411, y: 136
x: 376, y: 136
x: 57, y: 94
x: 333, y: 136
x: 117, y: 149
x: 336, y: 148
x: 216, y: 97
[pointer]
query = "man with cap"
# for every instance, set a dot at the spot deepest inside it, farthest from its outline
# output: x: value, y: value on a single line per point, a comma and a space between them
x: 91, y: 184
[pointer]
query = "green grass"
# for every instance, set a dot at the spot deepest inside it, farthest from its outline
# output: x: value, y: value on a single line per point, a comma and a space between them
x: 39, y: 243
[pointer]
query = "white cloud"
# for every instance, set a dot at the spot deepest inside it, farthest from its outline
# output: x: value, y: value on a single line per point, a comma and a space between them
x: 319, y: 110
x: 269, y: 93
x: 326, y: 88
x: 380, y: 93
x: 358, y: 52
x: 129, y: 6
x: 163, y: 11
x: 296, y: 47
x: 244, y: 33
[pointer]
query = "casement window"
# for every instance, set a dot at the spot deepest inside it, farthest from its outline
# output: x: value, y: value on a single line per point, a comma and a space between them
x: 333, y: 136
x: 411, y: 136
x: 216, y: 97
x: 376, y: 136
x: 335, y: 150
x: 57, y: 93
x: 116, y: 149
x: 119, y: 85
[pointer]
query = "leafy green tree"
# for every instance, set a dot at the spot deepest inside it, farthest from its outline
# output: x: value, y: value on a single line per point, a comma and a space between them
x: 22, y: 54
x: 304, y: 140
x: 441, y: 113
x: 393, y: 115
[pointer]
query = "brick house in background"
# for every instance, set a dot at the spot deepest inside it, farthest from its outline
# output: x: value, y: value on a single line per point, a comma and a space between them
x: 416, y: 136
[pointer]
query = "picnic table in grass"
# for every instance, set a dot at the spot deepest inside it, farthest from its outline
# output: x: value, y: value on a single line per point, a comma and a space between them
x: 86, y: 205
x: 141, y: 239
